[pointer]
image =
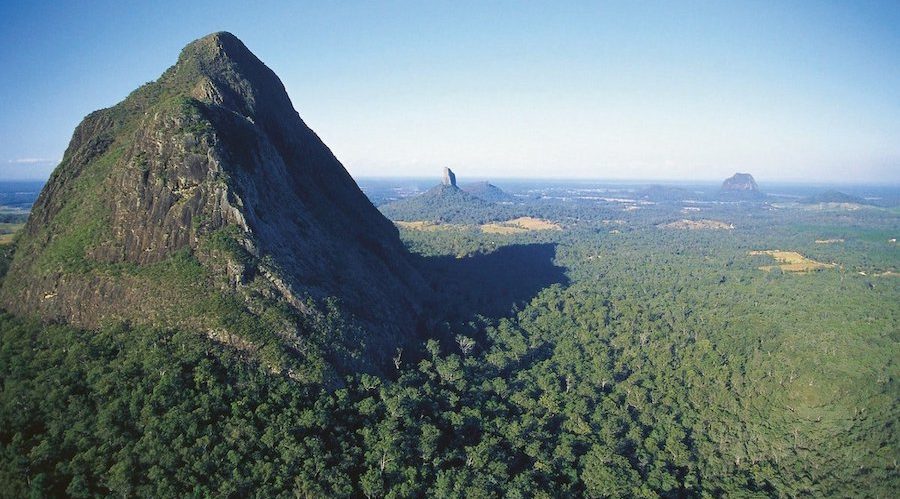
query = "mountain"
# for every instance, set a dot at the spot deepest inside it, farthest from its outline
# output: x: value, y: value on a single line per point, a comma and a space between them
x: 833, y: 196
x: 445, y: 203
x: 487, y: 192
x: 449, y: 178
x: 741, y: 186
x: 204, y: 201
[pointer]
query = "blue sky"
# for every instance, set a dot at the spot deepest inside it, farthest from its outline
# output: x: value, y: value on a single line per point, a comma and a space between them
x: 611, y: 90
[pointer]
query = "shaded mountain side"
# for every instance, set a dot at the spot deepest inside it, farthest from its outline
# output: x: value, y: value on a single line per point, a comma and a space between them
x: 203, y: 200
x: 488, y: 192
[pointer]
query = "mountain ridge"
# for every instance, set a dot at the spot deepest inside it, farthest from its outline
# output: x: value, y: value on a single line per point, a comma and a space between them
x: 487, y: 191
x: 203, y: 193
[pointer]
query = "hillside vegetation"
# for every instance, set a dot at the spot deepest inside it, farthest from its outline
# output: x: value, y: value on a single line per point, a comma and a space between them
x: 203, y: 303
x: 658, y: 367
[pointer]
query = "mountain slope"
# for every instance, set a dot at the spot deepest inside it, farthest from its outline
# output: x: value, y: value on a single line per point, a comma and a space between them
x: 445, y: 203
x: 203, y: 200
x: 487, y: 192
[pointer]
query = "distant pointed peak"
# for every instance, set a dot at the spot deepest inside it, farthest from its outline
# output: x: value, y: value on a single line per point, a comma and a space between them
x: 449, y: 177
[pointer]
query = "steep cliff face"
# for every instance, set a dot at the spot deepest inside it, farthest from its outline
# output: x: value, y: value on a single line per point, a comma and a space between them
x: 202, y: 193
x: 449, y: 178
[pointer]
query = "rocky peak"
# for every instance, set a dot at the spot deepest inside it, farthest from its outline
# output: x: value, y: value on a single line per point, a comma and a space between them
x: 219, y: 69
x: 740, y: 182
x: 207, y: 187
x: 449, y: 178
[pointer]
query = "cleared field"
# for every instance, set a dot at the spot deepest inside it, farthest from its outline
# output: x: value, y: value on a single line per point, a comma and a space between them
x: 8, y: 231
x: 514, y: 226
x: 496, y: 228
x: 791, y: 261
x: 427, y: 226
x: 686, y: 224
x: 519, y: 225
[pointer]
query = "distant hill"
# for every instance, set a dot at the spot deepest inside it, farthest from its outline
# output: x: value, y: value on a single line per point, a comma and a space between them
x: 833, y: 196
x: 740, y: 186
x: 487, y: 191
x: 203, y: 201
x: 445, y: 203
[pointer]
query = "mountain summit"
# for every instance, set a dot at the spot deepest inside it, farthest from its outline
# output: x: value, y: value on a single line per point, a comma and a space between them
x: 740, y: 186
x: 740, y: 182
x: 449, y: 178
x: 203, y: 199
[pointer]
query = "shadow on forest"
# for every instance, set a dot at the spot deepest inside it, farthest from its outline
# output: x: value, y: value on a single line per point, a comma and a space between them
x: 491, y: 284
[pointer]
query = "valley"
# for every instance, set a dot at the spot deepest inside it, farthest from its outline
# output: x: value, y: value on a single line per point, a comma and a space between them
x: 201, y: 301
x: 563, y: 359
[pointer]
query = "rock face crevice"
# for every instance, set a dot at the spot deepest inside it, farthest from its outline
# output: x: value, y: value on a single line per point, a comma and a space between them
x: 210, y: 174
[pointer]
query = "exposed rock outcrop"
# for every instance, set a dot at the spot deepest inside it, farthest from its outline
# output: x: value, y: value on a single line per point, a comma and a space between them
x: 449, y: 178
x: 740, y: 187
x: 740, y: 182
x: 203, y: 197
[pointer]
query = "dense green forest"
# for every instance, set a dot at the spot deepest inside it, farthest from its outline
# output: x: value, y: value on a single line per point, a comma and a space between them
x: 614, y: 358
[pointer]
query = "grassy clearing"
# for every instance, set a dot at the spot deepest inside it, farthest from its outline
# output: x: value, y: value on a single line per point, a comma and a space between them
x: 8, y: 232
x: 791, y: 261
x: 519, y: 225
x: 497, y: 228
x: 515, y: 226
x: 426, y: 226
x: 686, y: 224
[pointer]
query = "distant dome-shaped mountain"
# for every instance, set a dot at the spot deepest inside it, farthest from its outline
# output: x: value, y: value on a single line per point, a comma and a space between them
x: 203, y: 198
x: 740, y: 182
x: 833, y: 196
x: 740, y: 186
x: 487, y: 191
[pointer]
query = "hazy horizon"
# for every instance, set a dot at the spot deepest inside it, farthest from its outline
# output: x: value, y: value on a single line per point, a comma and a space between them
x: 789, y: 92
